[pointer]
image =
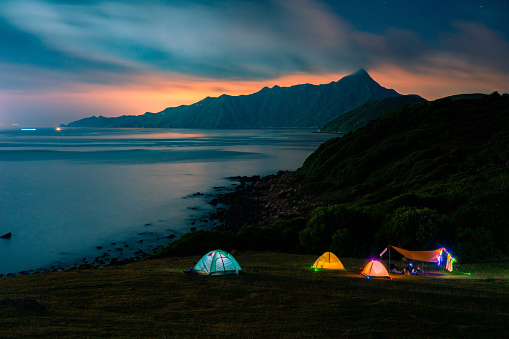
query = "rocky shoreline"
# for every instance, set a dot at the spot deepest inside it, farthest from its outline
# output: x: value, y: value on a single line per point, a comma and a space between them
x: 262, y: 201
x: 109, y: 257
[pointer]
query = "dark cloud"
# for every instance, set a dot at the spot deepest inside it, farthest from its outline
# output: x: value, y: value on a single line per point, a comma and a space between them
x: 479, y: 45
x: 246, y: 40
x: 241, y: 40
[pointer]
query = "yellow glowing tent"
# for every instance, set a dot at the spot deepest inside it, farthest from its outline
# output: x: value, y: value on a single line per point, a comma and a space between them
x: 330, y: 261
x: 375, y: 269
x: 428, y: 256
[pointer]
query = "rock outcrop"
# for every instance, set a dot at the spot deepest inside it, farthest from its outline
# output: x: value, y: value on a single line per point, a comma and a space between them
x: 263, y: 201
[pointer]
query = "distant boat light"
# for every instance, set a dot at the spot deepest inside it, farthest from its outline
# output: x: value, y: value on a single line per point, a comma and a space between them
x: 29, y: 129
x: 58, y: 129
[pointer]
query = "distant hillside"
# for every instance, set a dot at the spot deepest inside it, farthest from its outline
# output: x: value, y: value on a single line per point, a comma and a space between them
x: 362, y: 115
x: 297, y: 106
x: 466, y: 96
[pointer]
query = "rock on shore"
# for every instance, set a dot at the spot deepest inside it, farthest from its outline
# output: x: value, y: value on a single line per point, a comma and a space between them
x: 263, y: 201
x: 6, y: 236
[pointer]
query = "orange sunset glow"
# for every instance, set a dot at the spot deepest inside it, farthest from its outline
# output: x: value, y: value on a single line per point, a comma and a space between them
x: 134, y: 57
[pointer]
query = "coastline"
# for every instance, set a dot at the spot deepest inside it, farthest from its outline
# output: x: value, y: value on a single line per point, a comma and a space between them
x: 97, y: 206
x: 145, y: 243
x: 252, y: 200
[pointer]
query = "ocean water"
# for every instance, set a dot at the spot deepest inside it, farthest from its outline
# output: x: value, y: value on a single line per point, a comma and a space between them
x: 76, y: 195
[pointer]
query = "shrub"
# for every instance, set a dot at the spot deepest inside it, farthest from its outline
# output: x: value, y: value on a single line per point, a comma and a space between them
x: 475, y: 245
x: 355, y: 230
x: 288, y: 234
x: 412, y: 227
x: 343, y: 243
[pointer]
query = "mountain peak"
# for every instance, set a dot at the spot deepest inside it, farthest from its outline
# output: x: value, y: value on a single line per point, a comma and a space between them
x: 361, y: 73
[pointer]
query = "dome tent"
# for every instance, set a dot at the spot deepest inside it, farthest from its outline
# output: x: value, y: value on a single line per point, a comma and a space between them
x: 217, y: 262
x: 375, y: 269
x: 330, y: 261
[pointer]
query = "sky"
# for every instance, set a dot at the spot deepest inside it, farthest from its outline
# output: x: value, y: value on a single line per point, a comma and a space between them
x: 65, y: 60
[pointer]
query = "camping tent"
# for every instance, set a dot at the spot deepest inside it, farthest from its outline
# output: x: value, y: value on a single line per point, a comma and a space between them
x: 375, y: 269
x: 330, y: 261
x: 217, y: 262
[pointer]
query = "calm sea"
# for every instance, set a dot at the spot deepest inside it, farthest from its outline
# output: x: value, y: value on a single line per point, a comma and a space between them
x: 73, y: 195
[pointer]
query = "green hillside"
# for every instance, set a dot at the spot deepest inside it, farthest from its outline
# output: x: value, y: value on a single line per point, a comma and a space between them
x: 422, y: 176
x: 362, y: 115
x: 296, y: 106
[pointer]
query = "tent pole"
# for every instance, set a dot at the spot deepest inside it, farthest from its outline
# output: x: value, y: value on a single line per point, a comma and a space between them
x: 389, y: 257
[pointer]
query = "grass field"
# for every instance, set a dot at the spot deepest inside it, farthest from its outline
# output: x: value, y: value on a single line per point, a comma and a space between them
x: 278, y: 296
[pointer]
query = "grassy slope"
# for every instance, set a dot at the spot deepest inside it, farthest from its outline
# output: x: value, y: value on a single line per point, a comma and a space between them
x: 279, y: 296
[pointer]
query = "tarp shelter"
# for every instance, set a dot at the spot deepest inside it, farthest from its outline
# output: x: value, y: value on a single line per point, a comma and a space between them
x: 329, y: 261
x: 375, y: 269
x: 427, y: 256
x: 217, y: 262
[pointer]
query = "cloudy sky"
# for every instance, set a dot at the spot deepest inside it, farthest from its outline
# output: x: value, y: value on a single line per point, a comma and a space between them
x: 64, y: 60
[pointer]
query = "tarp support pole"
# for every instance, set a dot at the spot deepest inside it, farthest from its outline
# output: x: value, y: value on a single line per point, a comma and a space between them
x: 389, y: 258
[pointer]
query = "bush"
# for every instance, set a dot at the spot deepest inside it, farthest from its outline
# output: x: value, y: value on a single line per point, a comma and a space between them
x: 317, y: 235
x: 343, y: 243
x: 355, y: 227
x: 475, y: 245
x: 288, y: 231
x: 413, y: 228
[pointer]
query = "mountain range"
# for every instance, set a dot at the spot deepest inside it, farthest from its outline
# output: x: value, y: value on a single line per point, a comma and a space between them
x: 303, y: 105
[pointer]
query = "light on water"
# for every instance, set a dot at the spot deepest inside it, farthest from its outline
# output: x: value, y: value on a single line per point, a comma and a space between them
x: 73, y: 195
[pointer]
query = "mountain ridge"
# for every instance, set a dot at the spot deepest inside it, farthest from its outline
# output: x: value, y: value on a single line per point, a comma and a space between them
x: 303, y: 105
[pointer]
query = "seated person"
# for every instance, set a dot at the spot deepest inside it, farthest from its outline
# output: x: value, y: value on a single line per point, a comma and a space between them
x: 393, y: 268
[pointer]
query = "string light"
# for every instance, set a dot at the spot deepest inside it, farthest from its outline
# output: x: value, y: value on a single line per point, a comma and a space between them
x: 450, y: 258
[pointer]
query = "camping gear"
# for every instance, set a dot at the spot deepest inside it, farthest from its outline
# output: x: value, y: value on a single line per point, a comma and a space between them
x: 375, y: 268
x: 329, y: 261
x: 426, y: 256
x: 450, y: 261
x: 217, y: 262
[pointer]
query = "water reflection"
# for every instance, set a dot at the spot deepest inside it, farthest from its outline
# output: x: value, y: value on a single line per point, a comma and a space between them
x: 64, y: 194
